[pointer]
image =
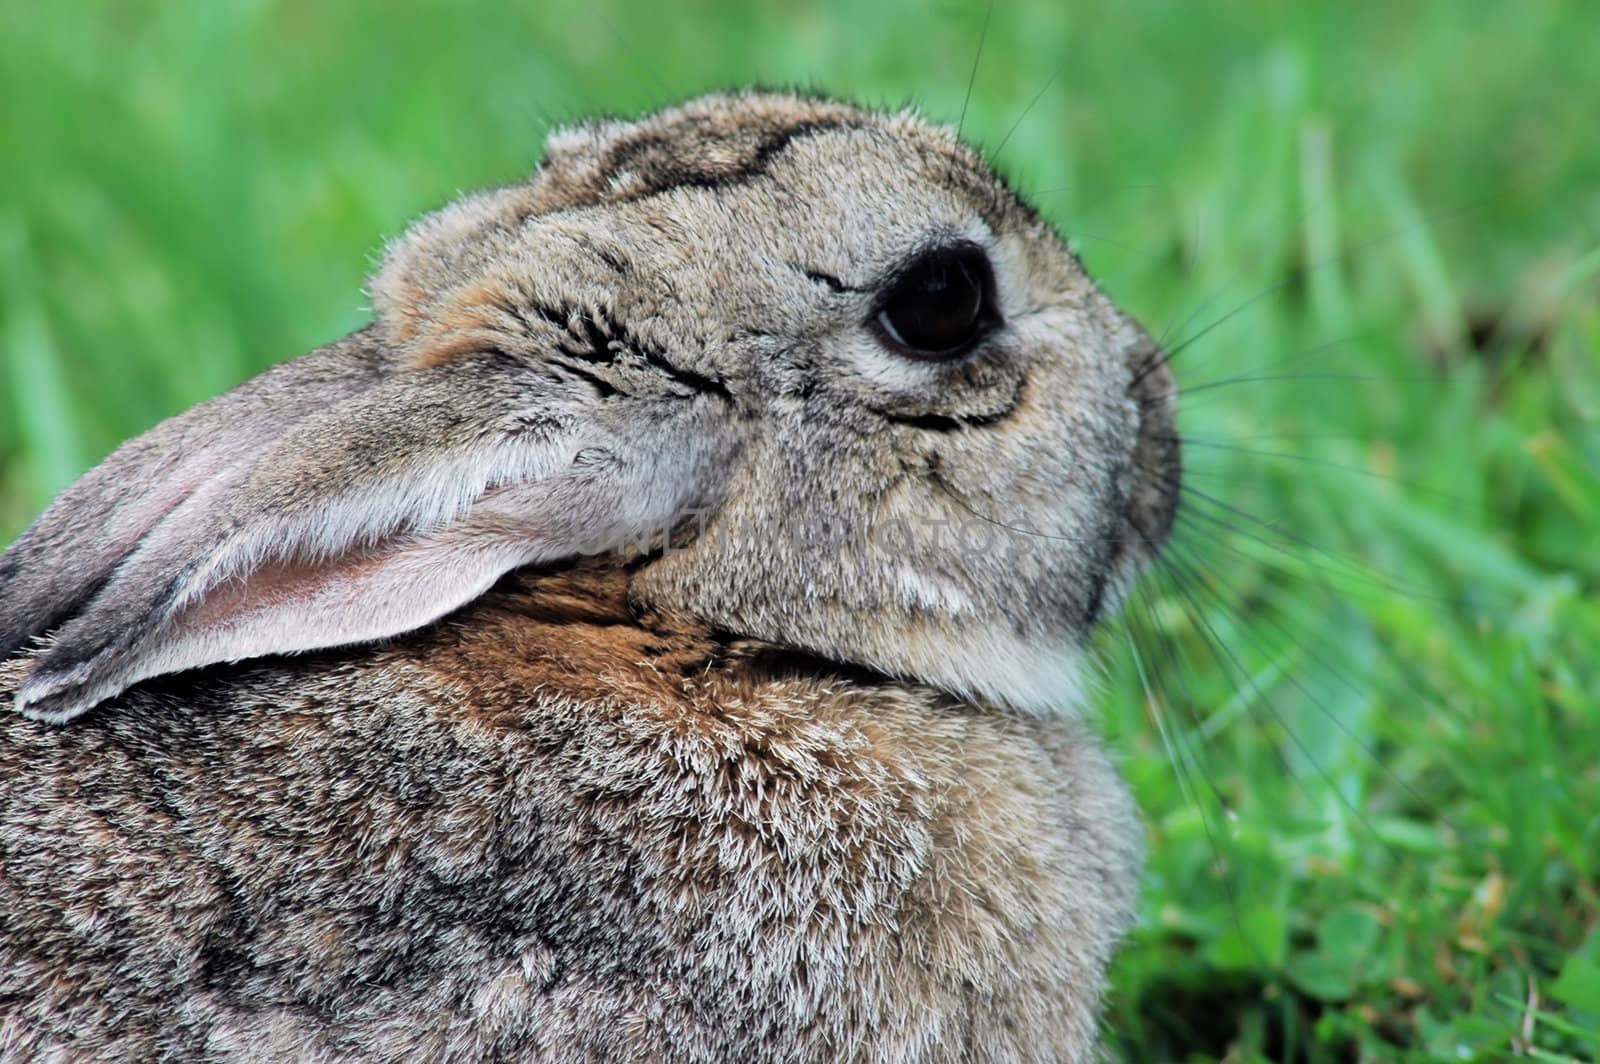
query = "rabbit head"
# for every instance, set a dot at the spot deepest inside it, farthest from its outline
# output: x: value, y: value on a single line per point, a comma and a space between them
x: 814, y: 373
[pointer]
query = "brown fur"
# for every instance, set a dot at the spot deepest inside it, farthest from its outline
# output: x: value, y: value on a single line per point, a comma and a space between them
x: 809, y: 785
x: 630, y: 841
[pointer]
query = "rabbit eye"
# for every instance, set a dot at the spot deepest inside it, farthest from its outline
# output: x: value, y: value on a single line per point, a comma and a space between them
x: 940, y: 305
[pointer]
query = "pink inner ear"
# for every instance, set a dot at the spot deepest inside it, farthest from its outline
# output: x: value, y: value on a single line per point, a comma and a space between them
x: 380, y: 592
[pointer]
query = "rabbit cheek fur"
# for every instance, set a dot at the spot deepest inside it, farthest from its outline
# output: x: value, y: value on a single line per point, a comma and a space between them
x: 805, y: 786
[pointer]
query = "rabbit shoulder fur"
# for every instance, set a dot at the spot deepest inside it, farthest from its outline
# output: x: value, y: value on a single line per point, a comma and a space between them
x: 552, y: 829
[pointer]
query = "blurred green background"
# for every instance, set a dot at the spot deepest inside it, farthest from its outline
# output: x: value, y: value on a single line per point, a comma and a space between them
x: 1359, y: 704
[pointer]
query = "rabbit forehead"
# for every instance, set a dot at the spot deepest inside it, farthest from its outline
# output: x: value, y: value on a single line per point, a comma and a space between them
x: 720, y: 184
x: 716, y: 141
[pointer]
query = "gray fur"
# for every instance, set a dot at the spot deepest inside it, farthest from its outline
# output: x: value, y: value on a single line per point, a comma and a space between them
x: 807, y: 785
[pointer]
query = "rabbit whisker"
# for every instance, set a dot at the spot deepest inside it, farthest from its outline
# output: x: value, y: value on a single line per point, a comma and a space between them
x: 972, y: 78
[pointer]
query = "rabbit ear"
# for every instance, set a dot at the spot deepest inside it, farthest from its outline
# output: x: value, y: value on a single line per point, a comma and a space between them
x: 63, y: 560
x: 331, y: 501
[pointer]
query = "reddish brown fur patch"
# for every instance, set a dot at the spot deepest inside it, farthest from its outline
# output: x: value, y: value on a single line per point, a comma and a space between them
x: 468, y: 324
x: 408, y: 299
x: 569, y: 634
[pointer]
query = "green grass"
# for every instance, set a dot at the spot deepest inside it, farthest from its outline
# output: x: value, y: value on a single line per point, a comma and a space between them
x: 1367, y: 740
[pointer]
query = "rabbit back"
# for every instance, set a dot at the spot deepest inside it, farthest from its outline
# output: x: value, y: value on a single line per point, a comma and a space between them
x: 552, y: 828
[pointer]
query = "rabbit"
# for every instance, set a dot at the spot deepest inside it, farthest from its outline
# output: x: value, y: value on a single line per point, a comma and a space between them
x: 659, y: 635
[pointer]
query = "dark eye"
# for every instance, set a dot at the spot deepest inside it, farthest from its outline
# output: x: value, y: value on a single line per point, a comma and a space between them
x: 940, y: 305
